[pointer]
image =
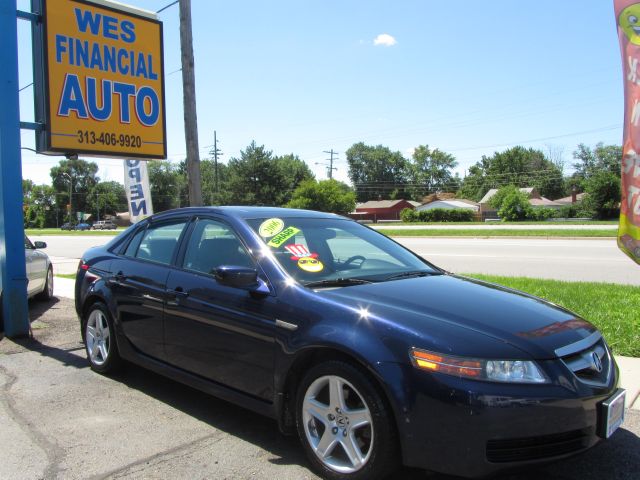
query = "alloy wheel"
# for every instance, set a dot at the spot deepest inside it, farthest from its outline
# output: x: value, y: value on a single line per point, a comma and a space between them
x: 98, y: 337
x: 337, y: 424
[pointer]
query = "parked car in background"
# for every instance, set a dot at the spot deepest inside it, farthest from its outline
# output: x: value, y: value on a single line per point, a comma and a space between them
x: 104, y: 225
x: 372, y: 354
x: 82, y: 226
x: 68, y: 226
x: 39, y: 270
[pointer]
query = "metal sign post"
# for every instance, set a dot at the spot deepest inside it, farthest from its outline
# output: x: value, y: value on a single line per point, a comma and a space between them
x: 13, y: 278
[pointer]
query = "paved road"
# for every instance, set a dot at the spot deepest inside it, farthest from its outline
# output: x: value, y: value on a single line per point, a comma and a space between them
x: 561, y: 259
x: 587, y: 260
x: 59, y: 420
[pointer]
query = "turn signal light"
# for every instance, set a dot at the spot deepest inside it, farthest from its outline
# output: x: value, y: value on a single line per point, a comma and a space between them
x: 450, y: 365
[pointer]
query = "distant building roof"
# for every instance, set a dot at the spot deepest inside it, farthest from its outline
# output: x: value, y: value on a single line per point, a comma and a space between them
x: 530, y: 191
x: 568, y: 200
x: 543, y: 202
x: 381, y: 203
x: 415, y: 204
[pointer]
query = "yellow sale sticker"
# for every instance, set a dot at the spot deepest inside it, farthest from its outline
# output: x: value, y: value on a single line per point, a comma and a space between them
x: 283, y: 236
x: 271, y: 227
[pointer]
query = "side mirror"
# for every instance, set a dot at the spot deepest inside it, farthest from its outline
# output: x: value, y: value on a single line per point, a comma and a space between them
x: 40, y: 245
x: 240, y: 277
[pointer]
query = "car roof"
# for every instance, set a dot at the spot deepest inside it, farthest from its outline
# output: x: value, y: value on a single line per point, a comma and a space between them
x: 245, y: 212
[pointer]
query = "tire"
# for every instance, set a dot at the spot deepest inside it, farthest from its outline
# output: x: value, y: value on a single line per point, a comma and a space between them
x: 99, y: 340
x: 47, y: 293
x: 344, y: 423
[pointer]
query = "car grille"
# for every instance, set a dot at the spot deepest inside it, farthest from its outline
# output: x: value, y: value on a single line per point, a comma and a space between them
x: 591, y: 365
x: 536, y: 448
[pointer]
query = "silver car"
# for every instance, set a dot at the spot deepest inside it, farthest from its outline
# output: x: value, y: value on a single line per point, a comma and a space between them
x: 39, y: 270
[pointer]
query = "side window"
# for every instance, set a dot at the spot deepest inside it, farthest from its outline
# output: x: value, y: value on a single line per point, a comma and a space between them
x: 132, y: 248
x: 159, y: 242
x: 213, y: 244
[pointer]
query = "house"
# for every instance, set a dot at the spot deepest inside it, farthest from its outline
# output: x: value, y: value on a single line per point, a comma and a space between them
x: 452, y: 204
x: 535, y: 200
x: 376, y: 210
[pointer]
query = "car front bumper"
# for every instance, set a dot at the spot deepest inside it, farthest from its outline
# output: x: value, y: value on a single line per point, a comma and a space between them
x: 476, y: 429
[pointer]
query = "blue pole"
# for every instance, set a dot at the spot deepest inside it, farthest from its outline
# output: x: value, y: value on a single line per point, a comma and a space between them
x: 13, y: 278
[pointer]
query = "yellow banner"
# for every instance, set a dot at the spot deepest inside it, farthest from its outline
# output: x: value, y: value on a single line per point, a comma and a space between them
x: 105, y: 80
x: 628, y: 20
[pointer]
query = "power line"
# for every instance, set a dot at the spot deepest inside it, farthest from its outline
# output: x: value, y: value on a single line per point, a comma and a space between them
x: 167, y: 6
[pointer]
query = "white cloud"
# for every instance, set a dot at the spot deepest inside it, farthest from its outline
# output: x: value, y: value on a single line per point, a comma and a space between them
x: 385, y: 40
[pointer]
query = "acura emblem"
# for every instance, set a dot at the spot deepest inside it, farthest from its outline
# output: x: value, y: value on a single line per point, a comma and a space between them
x: 597, y: 363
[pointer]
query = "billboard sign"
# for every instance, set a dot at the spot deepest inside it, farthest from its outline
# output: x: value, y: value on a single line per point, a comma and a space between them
x: 628, y: 20
x: 99, y: 79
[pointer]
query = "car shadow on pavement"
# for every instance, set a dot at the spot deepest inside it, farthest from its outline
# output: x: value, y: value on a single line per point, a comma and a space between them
x: 232, y: 419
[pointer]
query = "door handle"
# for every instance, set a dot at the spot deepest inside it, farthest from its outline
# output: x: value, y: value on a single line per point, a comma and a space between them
x: 178, y: 292
x: 118, y: 279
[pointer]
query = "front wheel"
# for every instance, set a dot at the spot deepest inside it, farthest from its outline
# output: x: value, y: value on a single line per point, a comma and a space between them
x: 47, y: 293
x: 344, y: 423
x: 99, y: 340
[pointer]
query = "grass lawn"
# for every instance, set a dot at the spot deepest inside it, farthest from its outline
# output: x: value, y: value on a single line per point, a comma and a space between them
x: 72, y: 276
x: 613, y: 223
x: 445, y: 232
x: 34, y: 232
x: 614, y: 309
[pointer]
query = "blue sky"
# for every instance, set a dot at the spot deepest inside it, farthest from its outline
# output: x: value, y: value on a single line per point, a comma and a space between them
x: 469, y: 77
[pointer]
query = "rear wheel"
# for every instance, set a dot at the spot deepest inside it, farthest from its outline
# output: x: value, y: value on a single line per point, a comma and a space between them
x: 47, y: 293
x: 344, y: 424
x: 99, y: 340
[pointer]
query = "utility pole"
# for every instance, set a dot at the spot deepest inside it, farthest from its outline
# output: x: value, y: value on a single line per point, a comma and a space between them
x: 189, y: 99
x: 215, y: 152
x: 331, y: 168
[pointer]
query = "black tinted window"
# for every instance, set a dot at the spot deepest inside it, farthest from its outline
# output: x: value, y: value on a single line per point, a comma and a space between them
x: 213, y: 244
x: 132, y: 248
x: 160, y: 241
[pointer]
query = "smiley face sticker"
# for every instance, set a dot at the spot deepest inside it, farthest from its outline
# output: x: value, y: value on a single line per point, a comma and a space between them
x: 310, y: 264
x: 629, y: 21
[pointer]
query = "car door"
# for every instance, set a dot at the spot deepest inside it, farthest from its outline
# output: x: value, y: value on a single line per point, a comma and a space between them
x: 219, y: 332
x: 138, y: 283
x: 36, y: 267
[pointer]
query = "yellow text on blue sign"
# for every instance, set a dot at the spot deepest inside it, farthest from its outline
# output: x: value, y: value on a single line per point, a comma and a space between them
x: 105, y: 79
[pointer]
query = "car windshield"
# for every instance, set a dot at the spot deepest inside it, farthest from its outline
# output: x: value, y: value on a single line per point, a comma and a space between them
x: 336, y: 252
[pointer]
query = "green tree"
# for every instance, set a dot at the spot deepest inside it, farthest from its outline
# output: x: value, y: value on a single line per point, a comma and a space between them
x: 500, y: 195
x: 255, y: 178
x: 430, y: 171
x: 214, y: 192
x: 107, y: 198
x: 522, y: 167
x: 78, y: 174
x: 602, y: 197
x: 325, y: 196
x: 603, y: 157
x: 294, y: 171
x: 515, y: 206
x: 168, y: 181
x: 39, y: 205
x: 376, y: 171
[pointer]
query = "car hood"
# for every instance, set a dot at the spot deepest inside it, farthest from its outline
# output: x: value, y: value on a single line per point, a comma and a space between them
x: 449, y: 302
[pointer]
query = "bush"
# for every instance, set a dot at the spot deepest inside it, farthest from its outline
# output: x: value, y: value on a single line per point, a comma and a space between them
x: 437, y: 215
x: 502, y: 193
x: 408, y: 215
x: 542, y: 213
x: 568, y: 211
x: 515, y: 206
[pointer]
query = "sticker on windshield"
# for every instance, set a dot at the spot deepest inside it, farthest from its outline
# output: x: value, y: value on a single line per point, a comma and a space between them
x: 271, y: 227
x: 299, y: 251
x: 312, y: 265
x: 283, y: 236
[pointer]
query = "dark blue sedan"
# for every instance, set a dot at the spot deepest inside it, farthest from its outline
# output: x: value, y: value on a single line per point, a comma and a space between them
x: 372, y: 354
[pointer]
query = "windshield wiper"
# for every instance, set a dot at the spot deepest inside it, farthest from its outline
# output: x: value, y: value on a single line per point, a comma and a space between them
x: 337, y: 282
x: 412, y: 273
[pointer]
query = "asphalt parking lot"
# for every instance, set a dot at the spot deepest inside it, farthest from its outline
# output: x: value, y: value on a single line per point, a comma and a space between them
x: 59, y: 420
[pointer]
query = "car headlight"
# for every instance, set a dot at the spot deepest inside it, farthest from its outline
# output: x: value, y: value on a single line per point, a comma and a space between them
x: 507, y: 371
